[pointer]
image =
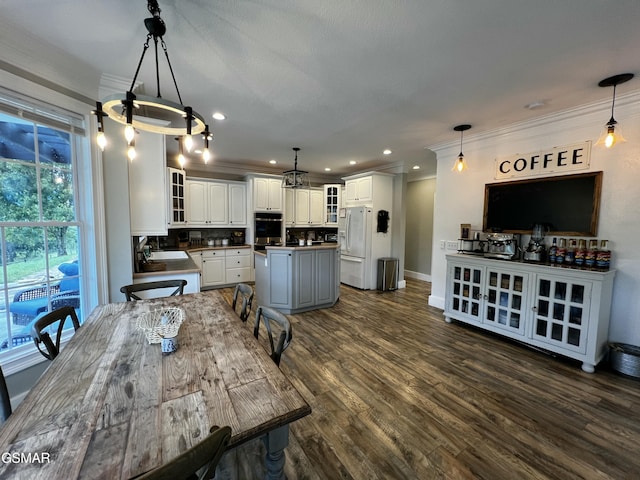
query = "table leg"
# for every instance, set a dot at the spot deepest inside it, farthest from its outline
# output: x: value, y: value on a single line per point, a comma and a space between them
x: 275, y: 442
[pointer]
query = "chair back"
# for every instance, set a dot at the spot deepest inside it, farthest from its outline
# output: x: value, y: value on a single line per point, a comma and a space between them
x: 41, y: 336
x: 130, y: 291
x: 246, y: 293
x: 271, y: 317
x: 5, y: 400
x: 204, y: 455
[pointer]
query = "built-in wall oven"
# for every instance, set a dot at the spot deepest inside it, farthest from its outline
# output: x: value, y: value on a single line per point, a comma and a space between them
x: 268, y: 229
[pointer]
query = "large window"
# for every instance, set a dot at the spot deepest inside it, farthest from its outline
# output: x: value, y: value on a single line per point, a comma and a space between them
x: 39, y: 228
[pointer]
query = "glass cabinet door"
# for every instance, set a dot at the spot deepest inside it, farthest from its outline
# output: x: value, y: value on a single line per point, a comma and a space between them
x: 466, y: 291
x: 561, y: 312
x: 505, y: 301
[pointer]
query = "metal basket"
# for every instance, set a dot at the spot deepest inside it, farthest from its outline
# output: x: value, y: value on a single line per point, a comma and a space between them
x: 161, y: 323
x: 625, y: 358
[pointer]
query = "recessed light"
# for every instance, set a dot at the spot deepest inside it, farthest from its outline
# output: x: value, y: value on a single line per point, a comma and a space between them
x: 352, y: 162
x: 416, y: 167
x: 327, y: 169
x: 219, y: 116
x: 272, y: 162
x: 386, y: 152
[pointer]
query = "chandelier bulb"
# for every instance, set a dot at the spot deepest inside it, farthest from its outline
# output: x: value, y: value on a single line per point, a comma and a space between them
x: 181, y: 160
x: 611, y: 137
x: 101, y: 140
x: 206, y: 155
x: 188, y: 142
x: 131, y: 152
x: 129, y: 133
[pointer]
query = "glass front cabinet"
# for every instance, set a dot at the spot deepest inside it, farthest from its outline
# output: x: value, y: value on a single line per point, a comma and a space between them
x: 562, y: 310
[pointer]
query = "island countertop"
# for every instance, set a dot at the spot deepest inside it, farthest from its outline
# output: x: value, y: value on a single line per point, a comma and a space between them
x: 317, y: 246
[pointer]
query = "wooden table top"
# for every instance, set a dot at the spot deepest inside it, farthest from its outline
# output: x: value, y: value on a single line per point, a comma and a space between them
x: 112, y: 406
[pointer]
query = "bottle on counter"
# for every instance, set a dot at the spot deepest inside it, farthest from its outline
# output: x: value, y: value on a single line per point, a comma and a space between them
x: 561, y: 251
x: 581, y: 253
x: 570, y: 255
x: 552, y: 251
x: 590, y: 255
x: 603, y: 257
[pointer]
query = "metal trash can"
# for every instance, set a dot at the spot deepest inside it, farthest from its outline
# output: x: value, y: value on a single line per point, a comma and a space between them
x: 625, y: 358
x: 387, y: 273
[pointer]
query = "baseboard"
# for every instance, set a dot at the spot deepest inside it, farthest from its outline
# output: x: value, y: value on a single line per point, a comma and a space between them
x: 437, y: 302
x: 417, y: 275
x: 15, y: 400
x: 402, y: 284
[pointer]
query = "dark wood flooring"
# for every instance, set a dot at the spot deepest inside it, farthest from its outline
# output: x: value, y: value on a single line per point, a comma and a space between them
x: 397, y: 393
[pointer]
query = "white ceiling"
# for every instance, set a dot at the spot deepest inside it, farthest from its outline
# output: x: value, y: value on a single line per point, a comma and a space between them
x: 344, y: 80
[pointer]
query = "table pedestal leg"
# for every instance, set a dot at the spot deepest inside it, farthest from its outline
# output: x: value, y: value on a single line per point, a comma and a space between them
x: 275, y: 442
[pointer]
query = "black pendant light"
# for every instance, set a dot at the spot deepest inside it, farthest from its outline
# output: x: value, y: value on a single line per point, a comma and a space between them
x: 460, y: 164
x: 295, y: 178
x: 610, y: 136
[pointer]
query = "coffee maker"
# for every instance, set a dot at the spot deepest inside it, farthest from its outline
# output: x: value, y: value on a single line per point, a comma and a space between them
x: 536, y: 250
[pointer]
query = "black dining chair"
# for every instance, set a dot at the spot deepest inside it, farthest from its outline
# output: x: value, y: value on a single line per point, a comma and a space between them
x: 246, y: 293
x: 198, y: 463
x: 41, y: 327
x: 5, y: 400
x: 271, y: 316
x: 130, y: 291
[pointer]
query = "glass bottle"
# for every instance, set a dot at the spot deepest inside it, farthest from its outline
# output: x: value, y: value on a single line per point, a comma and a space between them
x: 552, y: 251
x: 570, y: 256
x: 603, y: 257
x: 590, y: 256
x: 581, y: 253
x: 561, y: 251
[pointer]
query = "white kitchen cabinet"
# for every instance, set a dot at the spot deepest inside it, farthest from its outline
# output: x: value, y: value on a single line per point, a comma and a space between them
x: 332, y: 204
x: 267, y: 194
x: 304, y: 207
x: 238, y: 265
x: 177, y: 203
x: 238, y: 204
x: 148, y: 186
x: 558, y: 309
x: 213, y: 268
x: 207, y: 203
x: 359, y: 191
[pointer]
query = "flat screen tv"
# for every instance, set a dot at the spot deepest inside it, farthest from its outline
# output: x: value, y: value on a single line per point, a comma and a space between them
x: 566, y: 204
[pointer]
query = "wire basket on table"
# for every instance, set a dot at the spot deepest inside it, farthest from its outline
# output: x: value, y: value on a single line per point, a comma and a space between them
x: 161, y: 323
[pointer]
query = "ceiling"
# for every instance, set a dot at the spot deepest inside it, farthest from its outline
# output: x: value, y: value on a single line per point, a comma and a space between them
x: 345, y: 80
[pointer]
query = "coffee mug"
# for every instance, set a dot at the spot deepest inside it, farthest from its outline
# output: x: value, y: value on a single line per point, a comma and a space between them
x: 301, y: 242
x: 169, y: 345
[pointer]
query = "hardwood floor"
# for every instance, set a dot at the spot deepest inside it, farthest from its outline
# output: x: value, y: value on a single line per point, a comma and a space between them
x: 397, y: 393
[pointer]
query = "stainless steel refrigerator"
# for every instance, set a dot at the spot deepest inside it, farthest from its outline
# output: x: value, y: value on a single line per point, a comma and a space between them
x: 355, y: 227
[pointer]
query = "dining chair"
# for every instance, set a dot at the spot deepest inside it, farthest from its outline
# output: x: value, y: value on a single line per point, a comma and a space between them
x: 271, y: 316
x: 198, y: 463
x: 246, y: 292
x: 42, y: 326
x: 130, y: 291
x: 5, y: 400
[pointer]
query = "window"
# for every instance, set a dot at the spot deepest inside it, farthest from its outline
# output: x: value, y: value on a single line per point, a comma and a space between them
x: 40, y: 234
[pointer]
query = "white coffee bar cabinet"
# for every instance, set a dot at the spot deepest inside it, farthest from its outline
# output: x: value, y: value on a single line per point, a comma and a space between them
x: 555, y: 308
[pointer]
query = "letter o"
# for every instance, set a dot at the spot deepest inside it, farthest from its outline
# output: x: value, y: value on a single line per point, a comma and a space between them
x: 517, y: 163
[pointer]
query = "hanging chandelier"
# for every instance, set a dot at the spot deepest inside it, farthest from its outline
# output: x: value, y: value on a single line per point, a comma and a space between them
x: 147, y: 113
x: 610, y: 136
x: 295, y: 178
x: 460, y: 164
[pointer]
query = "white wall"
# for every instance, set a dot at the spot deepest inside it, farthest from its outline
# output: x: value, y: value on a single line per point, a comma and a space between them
x: 460, y: 197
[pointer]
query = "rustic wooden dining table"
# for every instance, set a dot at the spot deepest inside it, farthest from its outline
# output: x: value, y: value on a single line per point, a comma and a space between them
x: 111, y: 405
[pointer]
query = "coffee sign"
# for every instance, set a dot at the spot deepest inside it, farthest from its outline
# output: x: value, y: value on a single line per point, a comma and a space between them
x: 544, y: 162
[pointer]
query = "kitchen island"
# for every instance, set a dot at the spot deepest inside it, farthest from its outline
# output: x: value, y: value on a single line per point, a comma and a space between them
x: 298, y: 279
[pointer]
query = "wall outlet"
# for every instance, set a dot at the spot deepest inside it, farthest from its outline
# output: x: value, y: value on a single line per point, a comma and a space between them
x: 452, y: 245
x: 443, y: 244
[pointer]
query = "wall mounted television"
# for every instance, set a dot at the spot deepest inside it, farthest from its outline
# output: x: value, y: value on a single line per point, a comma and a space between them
x: 566, y: 204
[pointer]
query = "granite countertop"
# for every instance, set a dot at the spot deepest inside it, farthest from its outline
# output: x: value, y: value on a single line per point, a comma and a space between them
x: 317, y: 246
x: 201, y: 248
x: 181, y: 265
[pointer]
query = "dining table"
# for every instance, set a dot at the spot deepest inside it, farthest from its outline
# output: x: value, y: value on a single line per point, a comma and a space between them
x: 112, y: 405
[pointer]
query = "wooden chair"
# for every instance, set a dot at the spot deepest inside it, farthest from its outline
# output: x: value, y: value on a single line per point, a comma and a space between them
x: 199, y: 462
x: 41, y: 325
x: 246, y: 292
x: 5, y: 401
x: 269, y: 316
x: 131, y: 290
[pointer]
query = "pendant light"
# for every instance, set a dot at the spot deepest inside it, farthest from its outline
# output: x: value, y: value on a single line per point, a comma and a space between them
x: 610, y: 136
x: 295, y: 178
x: 176, y: 119
x: 181, y: 159
x: 460, y: 165
x: 207, y: 136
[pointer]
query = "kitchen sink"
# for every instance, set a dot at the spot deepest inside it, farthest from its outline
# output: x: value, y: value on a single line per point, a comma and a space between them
x: 168, y: 255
